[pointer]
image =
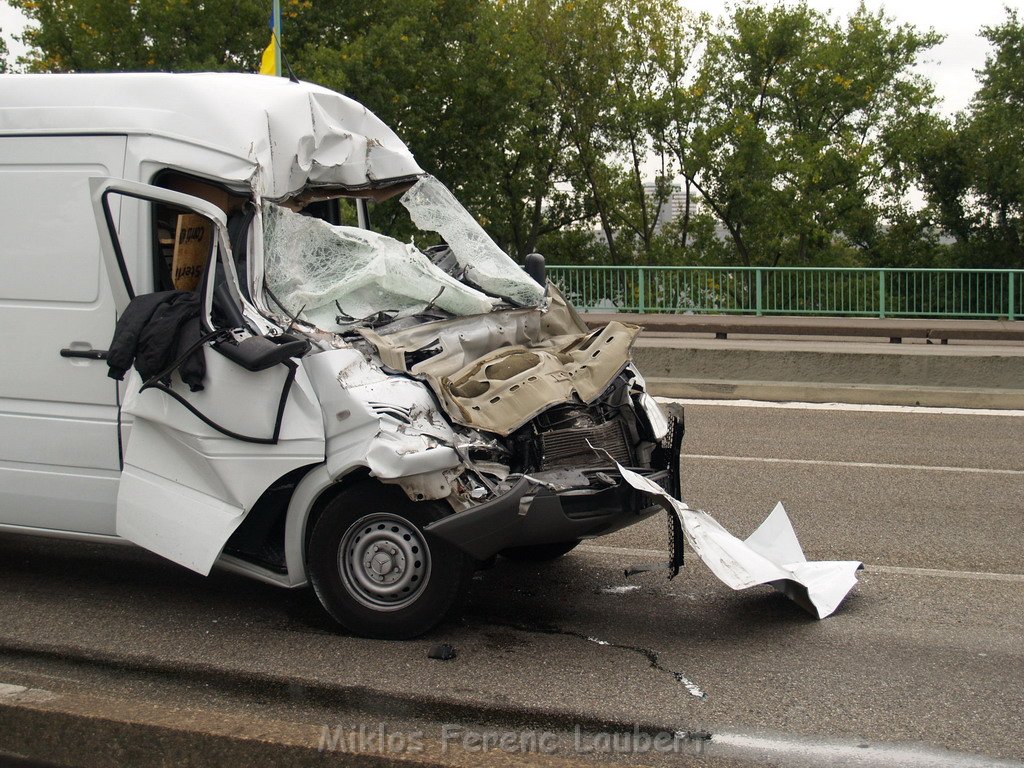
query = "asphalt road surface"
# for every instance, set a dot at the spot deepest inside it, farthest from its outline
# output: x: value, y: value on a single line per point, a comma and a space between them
x: 922, y: 665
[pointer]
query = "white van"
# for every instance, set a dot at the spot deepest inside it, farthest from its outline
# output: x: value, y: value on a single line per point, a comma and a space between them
x: 321, y: 403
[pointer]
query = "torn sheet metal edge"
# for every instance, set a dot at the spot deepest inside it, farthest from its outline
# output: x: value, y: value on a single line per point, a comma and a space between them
x: 770, y: 555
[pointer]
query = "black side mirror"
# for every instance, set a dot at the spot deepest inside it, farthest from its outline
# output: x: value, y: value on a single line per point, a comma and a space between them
x: 257, y: 353
x: 534, y: 266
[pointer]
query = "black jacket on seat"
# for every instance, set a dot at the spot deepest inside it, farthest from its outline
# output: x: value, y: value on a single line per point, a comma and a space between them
x: 154, y: 331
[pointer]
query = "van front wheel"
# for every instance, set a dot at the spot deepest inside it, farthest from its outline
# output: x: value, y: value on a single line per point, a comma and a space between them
x: 375, y: 569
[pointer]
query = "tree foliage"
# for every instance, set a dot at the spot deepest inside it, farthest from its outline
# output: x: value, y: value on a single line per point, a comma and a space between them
x: 143, y: 35
x: 788, y: 127
x: 972, y: 166
x: 795, y: 136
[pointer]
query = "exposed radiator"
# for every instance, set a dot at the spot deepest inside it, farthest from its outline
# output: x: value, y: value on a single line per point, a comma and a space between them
x: 563, y: 448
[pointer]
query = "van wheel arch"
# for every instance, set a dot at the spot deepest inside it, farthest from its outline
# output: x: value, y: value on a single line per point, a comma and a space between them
x: 342, y: 485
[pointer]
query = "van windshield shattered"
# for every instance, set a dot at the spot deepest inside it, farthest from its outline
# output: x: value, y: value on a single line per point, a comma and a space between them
x: 337, y: 276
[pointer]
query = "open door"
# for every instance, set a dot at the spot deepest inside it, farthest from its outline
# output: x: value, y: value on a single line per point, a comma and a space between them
x: 195, y: 462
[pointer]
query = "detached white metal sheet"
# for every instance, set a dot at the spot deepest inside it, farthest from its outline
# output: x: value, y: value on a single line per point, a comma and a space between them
x: 770, y: 555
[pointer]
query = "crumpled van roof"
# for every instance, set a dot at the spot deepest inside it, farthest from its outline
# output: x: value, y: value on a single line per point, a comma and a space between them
x: 293, y: 134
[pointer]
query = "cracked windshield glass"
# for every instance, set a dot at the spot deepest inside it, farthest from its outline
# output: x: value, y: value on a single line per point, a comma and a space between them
x: 339, y: 276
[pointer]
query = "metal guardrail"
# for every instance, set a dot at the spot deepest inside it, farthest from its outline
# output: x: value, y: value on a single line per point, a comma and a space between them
x: 835, y: 291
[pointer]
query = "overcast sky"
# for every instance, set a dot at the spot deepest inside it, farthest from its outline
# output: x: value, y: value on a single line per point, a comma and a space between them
x: 950, y: 65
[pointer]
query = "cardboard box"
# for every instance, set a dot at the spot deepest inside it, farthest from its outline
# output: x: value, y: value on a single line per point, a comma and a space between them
x: 193, y: 239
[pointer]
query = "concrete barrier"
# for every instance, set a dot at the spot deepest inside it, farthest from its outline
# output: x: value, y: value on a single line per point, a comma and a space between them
x: 895, y: 329
x: 969, y: 376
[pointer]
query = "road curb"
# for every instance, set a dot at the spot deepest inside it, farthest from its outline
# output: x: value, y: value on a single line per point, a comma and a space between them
x: 98, y: 732
x: 42, y: 733
x: 821, y: 326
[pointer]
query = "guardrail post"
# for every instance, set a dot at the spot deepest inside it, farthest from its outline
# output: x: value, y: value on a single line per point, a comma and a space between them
x: 881, y: 293
x: 642, y: 298
x: 760, y: 308
x: 1013, y: 296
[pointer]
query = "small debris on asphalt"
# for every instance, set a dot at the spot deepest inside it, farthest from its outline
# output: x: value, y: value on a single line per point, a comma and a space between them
x: 442, y: 652
x: 621, y: 590
x: 691, y: 686
x: 694, y: 735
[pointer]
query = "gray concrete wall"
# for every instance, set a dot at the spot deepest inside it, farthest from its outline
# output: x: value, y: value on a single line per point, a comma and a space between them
x: 975, y: 376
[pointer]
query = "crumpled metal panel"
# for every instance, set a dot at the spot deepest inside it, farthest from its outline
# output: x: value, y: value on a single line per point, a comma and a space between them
x: 506, y: 388
x: 498, y: 371
x: 770, y: 555
x: 289, y: 135
x: 444, y: 347
x: 339, y: 141
x: 387, y: 423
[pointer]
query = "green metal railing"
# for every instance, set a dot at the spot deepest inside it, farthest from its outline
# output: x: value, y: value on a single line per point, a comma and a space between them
x: 950, y: 293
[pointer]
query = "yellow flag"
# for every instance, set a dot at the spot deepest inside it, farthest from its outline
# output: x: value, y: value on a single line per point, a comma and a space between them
x: 268, y: 64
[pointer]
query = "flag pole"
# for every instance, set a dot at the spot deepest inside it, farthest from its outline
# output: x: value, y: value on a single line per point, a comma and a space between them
x: 277, y: 38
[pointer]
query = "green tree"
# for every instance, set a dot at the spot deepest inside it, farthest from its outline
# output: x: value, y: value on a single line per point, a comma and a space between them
x: 143, y: 35
x: 578, y: 41
x: 471, y: 91
x: 523, y: 188
x: 543, y: 115
x: 397, y: 58
x: 787, y: 127
x: 973, y: 166
x: 601, y: 61
x: 651, y: 29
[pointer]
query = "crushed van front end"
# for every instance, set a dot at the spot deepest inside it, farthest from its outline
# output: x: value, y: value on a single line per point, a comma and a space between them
x: 466, y: 381
x: 575, y: 491
x: 536, y: 467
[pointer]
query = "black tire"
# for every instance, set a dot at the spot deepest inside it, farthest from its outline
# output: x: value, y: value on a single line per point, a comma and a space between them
x: 540, y: 553
x: 394, y: 581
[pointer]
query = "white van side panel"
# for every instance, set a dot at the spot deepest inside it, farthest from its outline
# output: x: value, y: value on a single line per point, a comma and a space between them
x: 58, y: 416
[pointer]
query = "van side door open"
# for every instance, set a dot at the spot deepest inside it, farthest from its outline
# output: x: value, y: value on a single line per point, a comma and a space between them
x: 197, y: 460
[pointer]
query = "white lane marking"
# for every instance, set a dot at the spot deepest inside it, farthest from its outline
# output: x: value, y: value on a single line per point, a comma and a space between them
x: 799, y: 406
x: 862, y: 464
x: 937, y: 573
x: 20, y: 694
x: 1017, y: 578
x: 799, y: 751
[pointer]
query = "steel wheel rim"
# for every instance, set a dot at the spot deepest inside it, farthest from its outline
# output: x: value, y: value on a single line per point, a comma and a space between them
x: 384, y: 561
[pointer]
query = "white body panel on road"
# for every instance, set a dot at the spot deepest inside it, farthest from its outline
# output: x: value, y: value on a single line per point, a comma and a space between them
x: 770, y: 555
